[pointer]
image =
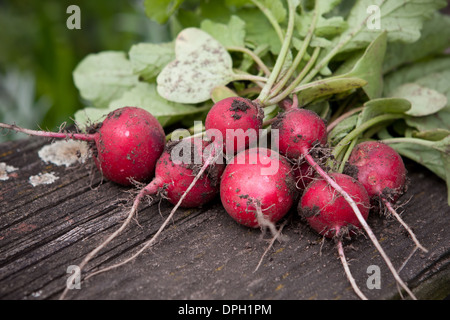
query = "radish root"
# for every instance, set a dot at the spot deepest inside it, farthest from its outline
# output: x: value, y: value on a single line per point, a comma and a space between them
x: 210, y: 160
x: 272, y: 241
x: 347, y: 270
x: 403, y: 223
x: 262, y: 221
x: 110, y: 238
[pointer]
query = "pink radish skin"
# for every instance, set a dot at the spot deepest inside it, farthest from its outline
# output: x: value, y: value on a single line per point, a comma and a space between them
x: 327, y: 212
x: 125, y: 145
x: 379, y: 168
x: 235, y: 113
x: 243, y: 187
x: 299, y: 131
x: 128, y: 143
x: 383, y: 174
x: 330, y: 215
x: 174, y: 178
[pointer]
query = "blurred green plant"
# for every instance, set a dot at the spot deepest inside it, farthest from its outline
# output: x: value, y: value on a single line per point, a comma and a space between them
x: 39, y: 53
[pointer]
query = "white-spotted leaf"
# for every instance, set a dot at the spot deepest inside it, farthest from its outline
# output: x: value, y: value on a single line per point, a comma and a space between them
x: 201, y: 64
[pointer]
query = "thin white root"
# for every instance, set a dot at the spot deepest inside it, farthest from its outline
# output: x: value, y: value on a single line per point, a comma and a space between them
x: 403, y: 223
x: 275, y: 237
x: 110, y: 238
x: 348, y: 272
x: 362, y: 221
x: 211, y: 159
x: 402, y: 266
x: 407, y: 259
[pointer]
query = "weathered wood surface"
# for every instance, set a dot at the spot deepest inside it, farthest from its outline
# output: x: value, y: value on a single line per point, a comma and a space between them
x: 203, y: 254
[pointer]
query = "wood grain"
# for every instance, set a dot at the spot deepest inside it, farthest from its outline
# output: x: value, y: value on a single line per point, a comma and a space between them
x: 204, y: 254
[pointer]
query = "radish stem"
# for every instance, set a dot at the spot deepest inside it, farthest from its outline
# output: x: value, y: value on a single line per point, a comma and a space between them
x: 255, y: 57
x: 293, y: 86
x: 57, y: 135
x: 281, y: 57
x: 357, y: 131
x: 347, y: 270
x: 273, y: 21
x: 342, y: 117
x: 298, y: 58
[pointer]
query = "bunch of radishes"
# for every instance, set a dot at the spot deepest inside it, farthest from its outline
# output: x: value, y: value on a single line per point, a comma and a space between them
x: 258, y: 186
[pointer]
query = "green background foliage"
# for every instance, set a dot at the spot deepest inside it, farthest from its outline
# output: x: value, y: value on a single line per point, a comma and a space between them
x: 39, y: 53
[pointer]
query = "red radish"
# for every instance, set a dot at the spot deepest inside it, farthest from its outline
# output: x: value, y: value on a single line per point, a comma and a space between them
x: 257, y: 188
x: 329, y: 214
x: 125, y: 145
x: 128, y: 144
x: 238, y: 120
x: 379, y: 168
x: 382, y: 172
x: 302, y: 130
x: 186, y: 184
x: 299, y: 130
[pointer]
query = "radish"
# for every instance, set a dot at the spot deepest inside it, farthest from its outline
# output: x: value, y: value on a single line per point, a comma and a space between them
x: 258, y: 188
x: 126, y: 145
x: 329, y: 214
x: 382, y: 172
x: 183, y: 183
x: 238, y: 120
x: 301, y: 132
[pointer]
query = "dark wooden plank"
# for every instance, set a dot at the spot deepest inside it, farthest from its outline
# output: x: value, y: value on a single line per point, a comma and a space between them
x: 203, y: 254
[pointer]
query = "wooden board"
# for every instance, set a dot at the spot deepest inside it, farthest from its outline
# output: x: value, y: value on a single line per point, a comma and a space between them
x: 203, y: 254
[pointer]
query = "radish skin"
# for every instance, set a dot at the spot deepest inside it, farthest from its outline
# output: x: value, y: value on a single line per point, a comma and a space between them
x: 382, y: 172
x: 239, y: 121
x: 253, y: 197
